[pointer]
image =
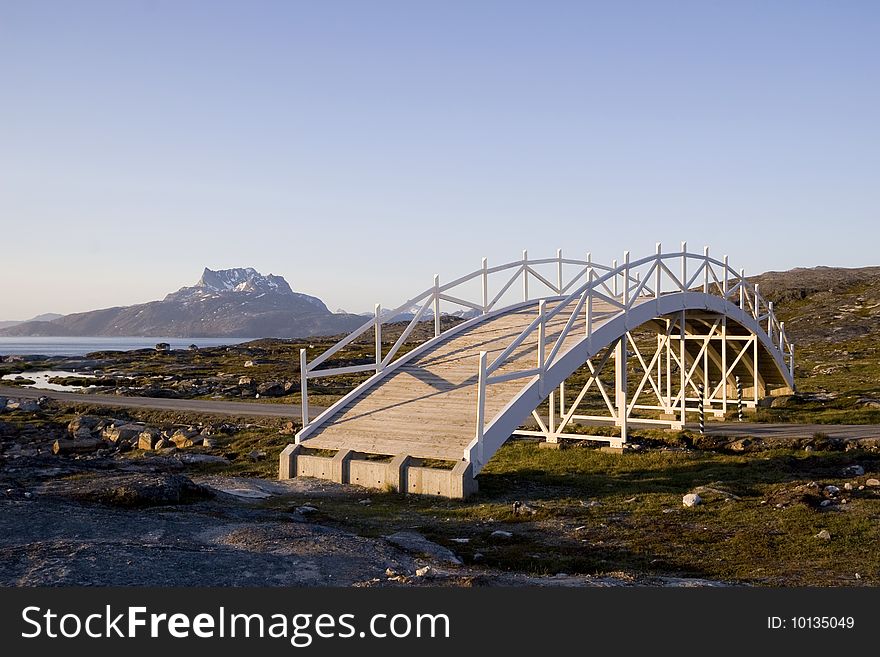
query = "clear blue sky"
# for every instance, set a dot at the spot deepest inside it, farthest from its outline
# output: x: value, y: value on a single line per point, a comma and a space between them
x: 357, y: 148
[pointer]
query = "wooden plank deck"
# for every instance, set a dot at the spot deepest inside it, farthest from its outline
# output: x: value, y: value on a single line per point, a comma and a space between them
x: 427, y: 407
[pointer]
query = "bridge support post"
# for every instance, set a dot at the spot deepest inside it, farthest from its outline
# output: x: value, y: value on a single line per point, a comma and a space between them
x: 287, y: 464
x: 395, y: 476
x: 620, y: 397
x: 339, y: 465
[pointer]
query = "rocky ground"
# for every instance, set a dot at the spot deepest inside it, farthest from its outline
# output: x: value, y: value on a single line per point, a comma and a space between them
x: 93, y: 496
x: 94, y: 500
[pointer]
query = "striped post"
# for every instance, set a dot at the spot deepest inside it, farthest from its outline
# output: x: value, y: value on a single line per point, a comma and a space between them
x: 739, y: 400
x: 701, y: 409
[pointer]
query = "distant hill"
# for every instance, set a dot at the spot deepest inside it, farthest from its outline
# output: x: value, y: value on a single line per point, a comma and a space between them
x: 225, y: 303
x: 45, y: 317
x: 825, y: 304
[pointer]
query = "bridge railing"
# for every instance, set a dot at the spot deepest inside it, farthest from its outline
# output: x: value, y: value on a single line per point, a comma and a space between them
x: 651, y: 276
x: 492, y: 284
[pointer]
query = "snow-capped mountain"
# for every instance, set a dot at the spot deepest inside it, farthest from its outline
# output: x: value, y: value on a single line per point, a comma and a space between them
x: 247, y: 280
x: 238, y: 302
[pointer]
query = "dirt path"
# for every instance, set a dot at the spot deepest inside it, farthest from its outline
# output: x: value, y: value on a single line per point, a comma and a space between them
x: 219, y: 407
x: 791, y: 430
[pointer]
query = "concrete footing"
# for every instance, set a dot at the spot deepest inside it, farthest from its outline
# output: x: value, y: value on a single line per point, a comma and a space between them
x: 402, y: 473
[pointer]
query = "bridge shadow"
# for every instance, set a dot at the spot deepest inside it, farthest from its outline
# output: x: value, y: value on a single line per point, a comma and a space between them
x: 606, y: 475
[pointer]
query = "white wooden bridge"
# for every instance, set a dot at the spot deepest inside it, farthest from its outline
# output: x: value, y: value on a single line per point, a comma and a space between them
x: 646, y: 341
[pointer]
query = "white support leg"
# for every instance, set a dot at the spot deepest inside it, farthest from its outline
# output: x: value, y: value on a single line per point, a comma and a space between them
x: 682, y: 368
x: 551, y: 419
x: 724, y: 355
x: 620, y: 355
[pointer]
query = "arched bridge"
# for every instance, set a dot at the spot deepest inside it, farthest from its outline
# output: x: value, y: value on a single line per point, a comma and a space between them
x: 547, y: 347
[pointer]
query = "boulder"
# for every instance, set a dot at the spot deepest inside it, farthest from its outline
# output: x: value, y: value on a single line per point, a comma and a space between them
x: 691, y: 500
x: 87, y: 446
x: 24, y: 405
x: 270, y: 389
x: 148, y: 438
x: 183, y: 437
x: 418, y: 544
x: 90, y: 422
x: 138, y: 490
x: 123, y: 432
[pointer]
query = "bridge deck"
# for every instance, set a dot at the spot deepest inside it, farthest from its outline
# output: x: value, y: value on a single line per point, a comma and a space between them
x: 427, y: 407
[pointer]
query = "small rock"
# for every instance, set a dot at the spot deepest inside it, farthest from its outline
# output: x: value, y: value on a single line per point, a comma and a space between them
x: 691, y: 500
x: 831, y: 491
x: 862, y: 487
x: 848, y: 486
x: 208, y: 442
x: 257, y: 455
x: 872, y: 483
x: 589, y: 504
x: 28, y: 495
x: 825, y: 535
x: 825, y: 503
x: 500, y: 533
x: 366, y: 501
x: 148, y: 438
x: 580, y: 528
x: 390, y: 572
x: 478, y: 557
x: 249, y: 363
x: 424, y: 571
x: 288, y: 430
x: 306, y: 509
x: 853, y: 471
x: 246, y: 380
x: 184, y: 437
